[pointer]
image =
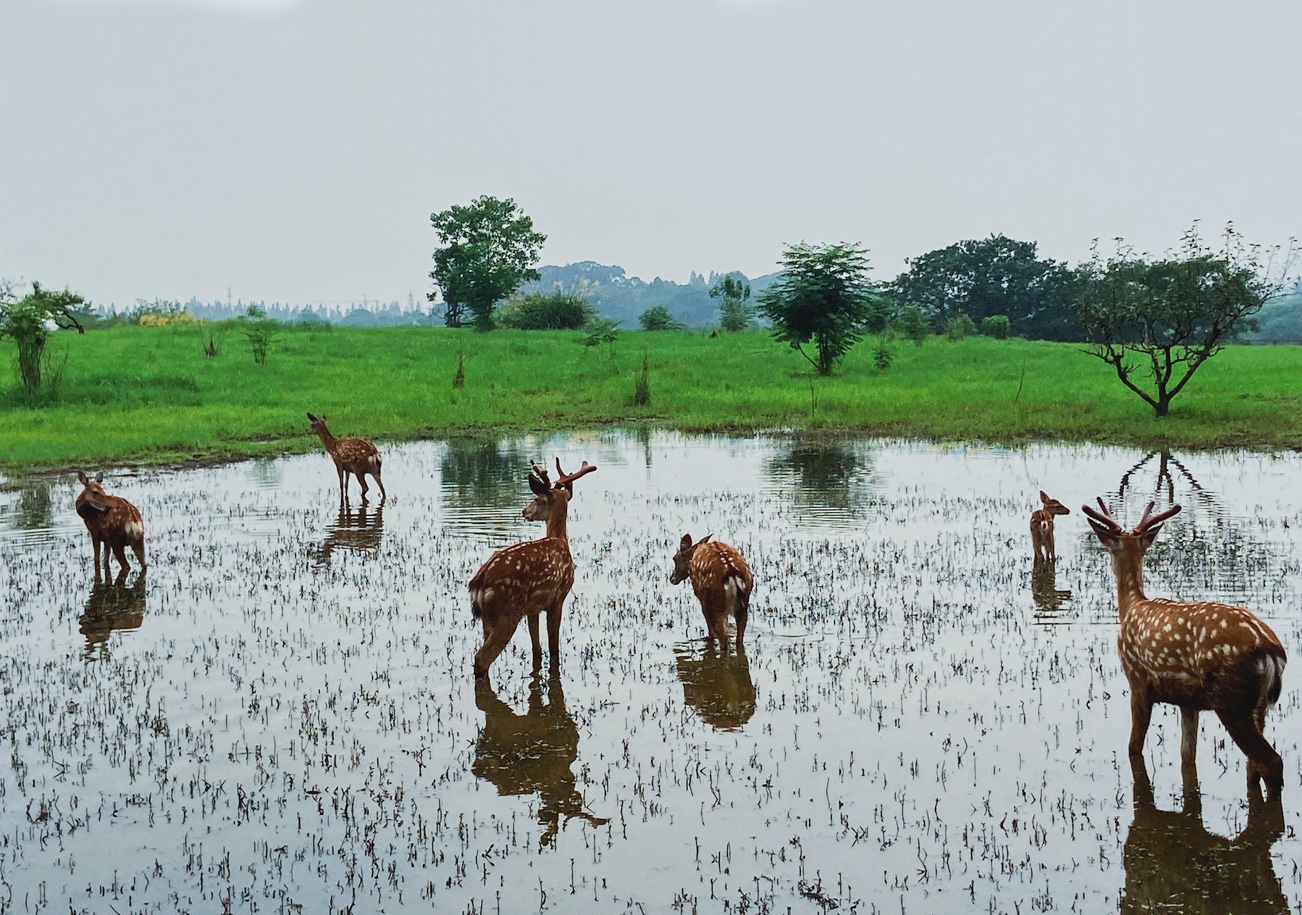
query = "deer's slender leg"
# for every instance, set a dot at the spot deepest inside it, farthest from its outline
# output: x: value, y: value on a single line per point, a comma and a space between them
x: 380, y: 483
x: 554, y: 630
x: 537, y: 642
x: 1141, y: 712
x: 495, y: 642
x: 1188, y: 735
x: 1263, y: 761
x: 95, y: 542
x: 740, y: 614
x: 119, y: 553
x: 139, y: 550
x: 361, y: 481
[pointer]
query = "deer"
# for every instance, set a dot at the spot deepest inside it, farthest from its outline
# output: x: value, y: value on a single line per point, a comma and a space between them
x: 530, y: 578
x: 351, y: 455
x: 722, y: 582
x: 1195, y: 655
x: 1042, y: 528
x: 112, y: 521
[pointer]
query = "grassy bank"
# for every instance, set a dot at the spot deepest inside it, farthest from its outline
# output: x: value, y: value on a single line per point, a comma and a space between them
x: 134, y: 394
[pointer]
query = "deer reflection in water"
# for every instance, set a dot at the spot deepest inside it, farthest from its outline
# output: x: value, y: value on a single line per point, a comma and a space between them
x: 1048, y: 597
x: 358, y: 531
x: 532, y: 753
x: 717, y: 686
x: 1173, y: 863
x: 111, y: 605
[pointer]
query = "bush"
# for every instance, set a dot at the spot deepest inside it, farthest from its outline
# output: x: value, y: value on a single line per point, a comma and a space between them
x: 913, y: 324
x: 959, y: 326
x: 551, y: 311
x: 261, y: 331
x: 657, y: 317
x: 642, y: 384
x: 995, y: 326
x: 882, y: 355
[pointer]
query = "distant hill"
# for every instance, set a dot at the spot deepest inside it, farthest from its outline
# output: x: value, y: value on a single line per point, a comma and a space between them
x: 621, y: 297
x: 1279, y: 321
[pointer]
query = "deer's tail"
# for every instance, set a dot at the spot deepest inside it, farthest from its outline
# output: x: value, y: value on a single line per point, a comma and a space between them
x: 738, y: 593
x: 1271, y: 668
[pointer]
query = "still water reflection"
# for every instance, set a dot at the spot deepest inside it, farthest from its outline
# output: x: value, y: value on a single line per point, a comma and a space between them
x: 922, y: 721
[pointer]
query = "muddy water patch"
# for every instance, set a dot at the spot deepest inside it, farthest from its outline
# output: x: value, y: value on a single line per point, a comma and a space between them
x: 282, y: 715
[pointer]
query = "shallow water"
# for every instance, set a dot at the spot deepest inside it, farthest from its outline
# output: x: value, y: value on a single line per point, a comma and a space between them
x: 281, y: 717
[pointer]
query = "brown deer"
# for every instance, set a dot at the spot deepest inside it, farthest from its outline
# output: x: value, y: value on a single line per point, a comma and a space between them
x: 1195, y: 655
x: 722, y: 582
x: 530, y: 578
x: 112, y: 521
x: 351, y: 455
x: 1042, y: 528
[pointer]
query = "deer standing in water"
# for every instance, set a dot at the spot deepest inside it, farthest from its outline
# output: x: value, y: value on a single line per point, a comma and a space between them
x: 1042, y: 528
x: 112, y: 521
x: 722, y: 582
x: 1196, y: 655
x: 351, y: 455
x: 530, y: 578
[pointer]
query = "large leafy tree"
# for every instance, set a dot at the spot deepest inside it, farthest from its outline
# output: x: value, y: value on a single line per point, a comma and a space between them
x: 487, y: 249
x: 1156, y: 321
x: 27, y: 321
x: 823, y: 295
x: 992, y: 276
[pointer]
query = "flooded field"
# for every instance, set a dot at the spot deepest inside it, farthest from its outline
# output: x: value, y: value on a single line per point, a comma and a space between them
x: 281, y: 716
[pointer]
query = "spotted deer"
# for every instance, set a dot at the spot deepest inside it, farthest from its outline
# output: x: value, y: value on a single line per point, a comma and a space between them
x: 351, y: 455
x: 1042, y: 527
x: 528, y: 579
x: 722, y: 582
x: 112, y: 521
x: 1195, y: 655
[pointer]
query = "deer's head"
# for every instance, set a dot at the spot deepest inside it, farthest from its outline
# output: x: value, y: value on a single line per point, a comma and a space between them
x: 1053, y: 506
x: 683, y: 558
x: 93, y: 494
x: 1121, y: 542
x: 548, y: 495
x: 318, y: 423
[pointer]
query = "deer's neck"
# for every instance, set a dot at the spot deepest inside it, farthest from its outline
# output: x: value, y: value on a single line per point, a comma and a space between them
x: 1128, y: 566
x: 327, y: 440
x: 556, y: 522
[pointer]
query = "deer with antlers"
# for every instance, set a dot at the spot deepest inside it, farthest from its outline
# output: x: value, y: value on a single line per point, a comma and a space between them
x: 1042, y: 527
x: 722, y: 582
x: 112, y: 521
x: 530, y: 578
x: 351, y: 455
x: 1195, y: 655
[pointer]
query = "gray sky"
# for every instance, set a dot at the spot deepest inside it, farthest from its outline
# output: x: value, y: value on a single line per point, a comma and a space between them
x: 294, y: 151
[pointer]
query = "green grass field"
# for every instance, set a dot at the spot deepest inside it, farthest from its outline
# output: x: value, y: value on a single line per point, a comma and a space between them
x: 149, y: 395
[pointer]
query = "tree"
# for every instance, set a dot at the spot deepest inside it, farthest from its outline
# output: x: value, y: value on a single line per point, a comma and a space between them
x: 1175, y: 313
x: 658, y: 317
x: 823, y: 294
x: 993, y: 276
x: 27, y: 321
x: 734, y: 314
x: 261, y: 332
x: 488, y: 249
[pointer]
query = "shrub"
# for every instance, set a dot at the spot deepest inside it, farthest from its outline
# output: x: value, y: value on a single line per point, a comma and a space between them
x: 995, y: 326
x: 657, y: 317
x: 261, y: 331
x: 642, y: 384
x: 959, y: 326
x: 459, y: 379
x: 551, y: 311
x: 912, y: 323
x: 882, y: 355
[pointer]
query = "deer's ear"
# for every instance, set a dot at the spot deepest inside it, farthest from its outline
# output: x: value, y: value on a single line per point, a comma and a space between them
x: 324, y: 417
x: 1044, y: 498
x: 83, y: 478
x: 686, y: 542
x: 1147, y: 537
x: 703, y: 539
x: 311, y: 417
x: 99, y: 477
x: 1108, y: 537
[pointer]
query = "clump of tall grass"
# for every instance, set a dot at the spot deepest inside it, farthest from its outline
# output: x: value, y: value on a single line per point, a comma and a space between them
x: 557, y: 310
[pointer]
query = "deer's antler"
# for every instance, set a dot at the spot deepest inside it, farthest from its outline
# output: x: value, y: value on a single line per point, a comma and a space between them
x: 1150, y: 520
x: 1147, y: 522
x: 538, y: 481
x: 567, y: 479
x: 1102, y: 517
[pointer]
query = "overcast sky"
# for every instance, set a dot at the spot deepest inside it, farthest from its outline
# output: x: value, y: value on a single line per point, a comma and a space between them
x: 293, y: 150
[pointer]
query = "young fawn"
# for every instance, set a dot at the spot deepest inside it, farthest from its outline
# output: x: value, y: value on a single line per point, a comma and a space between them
x: 112, y: 521
x: 722, y: 582
x: 530, y: 578
x: 1042, y: 527
x: 1196, y: 655
x: 351, y: 455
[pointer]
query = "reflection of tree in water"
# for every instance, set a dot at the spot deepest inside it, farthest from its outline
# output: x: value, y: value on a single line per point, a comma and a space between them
x: 111, y: 605
x: 826, y: 477
x: 1174, y: 864
x: 1049, y: 598
x: 1211, y: 549
x: 358, y: 531
x: 532, y: 753
x: 485, y: 473
x: 718, y: 686
x: 33, y: 509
